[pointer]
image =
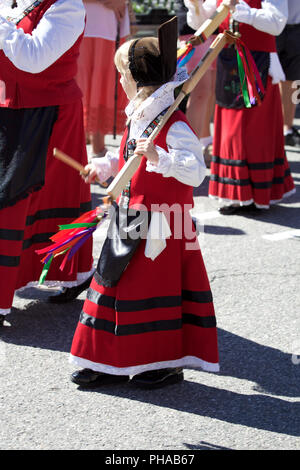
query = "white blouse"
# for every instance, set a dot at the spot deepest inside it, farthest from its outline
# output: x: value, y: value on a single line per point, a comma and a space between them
x: 270, y: 18
x: 183, y: 160
x: 56, y: 33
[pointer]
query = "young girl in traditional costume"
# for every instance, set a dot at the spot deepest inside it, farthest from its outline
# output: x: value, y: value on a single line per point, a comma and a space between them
x: 149, y: 310
x: 40, y: 108
x: 249, y: 169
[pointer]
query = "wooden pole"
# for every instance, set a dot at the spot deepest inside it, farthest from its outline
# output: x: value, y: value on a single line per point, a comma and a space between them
x: 73, y: 163
x: 130, y: 167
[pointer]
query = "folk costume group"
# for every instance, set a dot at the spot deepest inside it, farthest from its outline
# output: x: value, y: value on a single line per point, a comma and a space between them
x: 149, y: 309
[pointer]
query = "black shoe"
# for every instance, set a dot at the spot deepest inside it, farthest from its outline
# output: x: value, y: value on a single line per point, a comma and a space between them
x: 250, y: 208
x: 91, y: 379
x: 229, y: 210
x: 67, y: 294
x: 293, y: 138
x: 2, y: 317
x: 157, y: 378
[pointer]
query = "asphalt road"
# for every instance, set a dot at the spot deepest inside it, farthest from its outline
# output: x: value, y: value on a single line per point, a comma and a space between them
x: 253, y: 263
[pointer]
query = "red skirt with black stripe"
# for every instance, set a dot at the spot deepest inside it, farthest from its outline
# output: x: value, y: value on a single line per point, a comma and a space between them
x: 27, y: 225
x: 160, y: 314
x: 249, y: 162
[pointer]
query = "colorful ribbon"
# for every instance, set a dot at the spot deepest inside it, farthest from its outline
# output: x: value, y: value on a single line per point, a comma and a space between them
x: 184, y: 54
x: 69, y: 239
x: 251, y: 83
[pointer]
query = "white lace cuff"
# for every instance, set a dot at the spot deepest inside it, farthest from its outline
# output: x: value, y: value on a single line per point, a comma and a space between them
x: 164, y: 162
x: 106, y: 166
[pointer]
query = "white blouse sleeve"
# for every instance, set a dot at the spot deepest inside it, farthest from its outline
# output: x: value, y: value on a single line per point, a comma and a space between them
x: 183, y: 160
x: 57, y: 31
x: 206, y: 9
x: 270, y: 18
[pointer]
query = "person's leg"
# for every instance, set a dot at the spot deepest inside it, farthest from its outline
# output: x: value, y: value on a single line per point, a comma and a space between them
x: 197, y: 104
x: 288, y: 105
x: 98, y: 144
x: 292, y: 136
x: 206, y: 132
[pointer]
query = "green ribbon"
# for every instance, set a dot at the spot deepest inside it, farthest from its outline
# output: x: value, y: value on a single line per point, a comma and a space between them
x: 243, y: 82
x: 45, y: 271
x: 84, y: 225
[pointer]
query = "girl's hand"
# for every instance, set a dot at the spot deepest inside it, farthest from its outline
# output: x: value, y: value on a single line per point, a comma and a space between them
x: 146, y: 148
x: 92, y: 175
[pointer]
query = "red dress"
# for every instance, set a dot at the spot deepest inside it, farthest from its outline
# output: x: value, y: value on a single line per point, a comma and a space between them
x: 27, y: 222
x: 160, y: 313
x: 249, y: 162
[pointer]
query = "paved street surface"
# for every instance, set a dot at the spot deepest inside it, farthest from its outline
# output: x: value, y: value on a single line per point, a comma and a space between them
x: 253, y: 263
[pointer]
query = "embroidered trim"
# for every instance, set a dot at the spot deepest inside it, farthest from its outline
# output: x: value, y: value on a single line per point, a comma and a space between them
x: 129, y: 151
x: 26, y: 12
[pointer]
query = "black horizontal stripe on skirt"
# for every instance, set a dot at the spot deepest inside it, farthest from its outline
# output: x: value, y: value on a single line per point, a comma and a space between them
x: 18, y: 235
x: 133, y: 305
x: 244, y: 163
x: 9, y: 261
x: 197, y: 296
x: 146, y: 327
x: 11, y: 235
x: 149, y: 303
x: 246, y: 181
x: 59, y: 212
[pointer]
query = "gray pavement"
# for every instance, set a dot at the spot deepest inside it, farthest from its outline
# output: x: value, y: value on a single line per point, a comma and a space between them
x: 253, y: 403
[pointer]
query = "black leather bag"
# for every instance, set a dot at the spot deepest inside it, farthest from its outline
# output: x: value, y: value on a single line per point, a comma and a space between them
x: 126, y: 230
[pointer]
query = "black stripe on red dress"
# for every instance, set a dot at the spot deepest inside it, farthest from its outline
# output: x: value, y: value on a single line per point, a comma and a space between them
x: 37, y: 238
x: 17, y: 235
x: 129, y: 329
x: 59, y: 212
x: 133, y: 305
x: 197, y: 296
x: 246, y: 181
x: 11, y: 235
x: 146, y: 327
x: 243, y: 163
x: 9, y: 261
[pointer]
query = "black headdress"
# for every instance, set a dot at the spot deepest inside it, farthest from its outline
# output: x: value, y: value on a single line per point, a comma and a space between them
x: 153, y: 61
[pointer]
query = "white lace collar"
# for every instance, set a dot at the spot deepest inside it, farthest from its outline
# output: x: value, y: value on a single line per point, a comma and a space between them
x: 161, y: 99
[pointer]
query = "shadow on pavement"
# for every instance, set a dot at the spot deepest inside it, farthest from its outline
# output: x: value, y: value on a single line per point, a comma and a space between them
x: 203, y: 445
x: 256, y: 411
x: 52, y: 328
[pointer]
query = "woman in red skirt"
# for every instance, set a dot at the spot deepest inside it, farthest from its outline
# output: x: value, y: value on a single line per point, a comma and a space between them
x: 249, y: 169
x: 149, y: 310
x: 40, y: 109
x: 104, y: 101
